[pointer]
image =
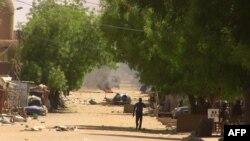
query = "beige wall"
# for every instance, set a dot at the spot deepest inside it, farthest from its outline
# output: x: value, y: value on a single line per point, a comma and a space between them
x: 7, y: 20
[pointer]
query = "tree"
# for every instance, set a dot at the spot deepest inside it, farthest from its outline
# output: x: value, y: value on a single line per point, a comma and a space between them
x: 63, y: 42
x: 2, y: 4
x: 183, y: 46
x: 225, y: 36
x: 159, y: 43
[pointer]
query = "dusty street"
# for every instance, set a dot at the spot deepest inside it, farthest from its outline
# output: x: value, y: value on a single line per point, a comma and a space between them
x: 89, y: 122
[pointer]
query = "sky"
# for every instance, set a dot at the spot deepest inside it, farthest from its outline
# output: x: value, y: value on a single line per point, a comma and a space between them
x: 21, y: 14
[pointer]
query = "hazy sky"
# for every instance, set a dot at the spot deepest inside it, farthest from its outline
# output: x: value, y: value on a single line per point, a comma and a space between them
x: 20, y: 15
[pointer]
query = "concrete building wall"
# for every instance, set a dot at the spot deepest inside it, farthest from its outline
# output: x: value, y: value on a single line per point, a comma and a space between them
x: 7, y: 42
x: 7, y: 21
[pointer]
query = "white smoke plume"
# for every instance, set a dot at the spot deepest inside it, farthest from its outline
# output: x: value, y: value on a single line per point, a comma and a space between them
x: 106, y: 78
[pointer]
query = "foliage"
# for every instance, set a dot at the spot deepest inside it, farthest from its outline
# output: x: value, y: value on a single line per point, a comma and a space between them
x: 183, y: 46
x: 31, y: 71
x: 158, y: 46
x: 64, y: 41
x: 56, y: 79
x: 2, y: 4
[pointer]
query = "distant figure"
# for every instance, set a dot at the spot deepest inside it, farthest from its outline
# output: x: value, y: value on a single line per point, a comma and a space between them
x: 181, y: 103
x: 138, y: 109
x: 212, y: 114
x: 237, y: 113
x: 225, y: 113
x: 224, y: 116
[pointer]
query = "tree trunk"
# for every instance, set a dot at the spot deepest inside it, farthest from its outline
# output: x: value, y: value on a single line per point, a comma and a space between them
x: 202, y: 108
x: 193, y: 106
x: 247, y: 107
x: 66, y: 93
x: 198, y: 105
x: 54, y: 100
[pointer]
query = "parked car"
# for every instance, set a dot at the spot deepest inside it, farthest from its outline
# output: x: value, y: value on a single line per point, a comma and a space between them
x: 180, y: 111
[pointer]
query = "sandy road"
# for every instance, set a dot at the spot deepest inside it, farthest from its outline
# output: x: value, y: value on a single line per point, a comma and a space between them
x: 94, y: 122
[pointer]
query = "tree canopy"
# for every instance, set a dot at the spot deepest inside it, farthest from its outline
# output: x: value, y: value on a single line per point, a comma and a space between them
x: 61, y: 43
x: 1, y: 4
x: 182, y: 46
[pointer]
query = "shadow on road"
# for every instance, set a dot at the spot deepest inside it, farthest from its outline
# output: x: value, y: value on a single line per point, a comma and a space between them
x: 128, y: 129
x: 134, y: 136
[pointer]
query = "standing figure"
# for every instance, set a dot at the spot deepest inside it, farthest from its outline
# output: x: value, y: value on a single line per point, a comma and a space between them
x: 224, y: 116
x: 138, y: 110
x: 237, y: 113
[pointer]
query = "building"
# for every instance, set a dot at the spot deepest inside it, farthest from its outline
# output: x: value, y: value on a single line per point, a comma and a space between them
x: 8, y: 40
x: 8, y: 44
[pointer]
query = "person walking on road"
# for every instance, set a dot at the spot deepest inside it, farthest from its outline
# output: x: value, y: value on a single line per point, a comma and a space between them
x: 138, y: 112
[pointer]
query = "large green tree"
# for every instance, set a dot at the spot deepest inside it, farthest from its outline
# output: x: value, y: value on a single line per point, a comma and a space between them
x: 197, y: 47
x: 160, y: 42
x: 224, y: 38
x: 60, y: 44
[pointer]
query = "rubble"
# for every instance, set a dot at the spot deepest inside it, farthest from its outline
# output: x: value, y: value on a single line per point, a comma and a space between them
x: 92, y: 102
x: 18, y: 118
x: 5, y: 120
x: 107, y: 100
x: 65, y: 128
x: 35, y: 128
x: 121, y: 99
x: 56, y: 128
x: 80, y: 101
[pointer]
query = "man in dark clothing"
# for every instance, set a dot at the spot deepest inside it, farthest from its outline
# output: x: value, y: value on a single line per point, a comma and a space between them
x: 138, y: 109
x: 237, y: 113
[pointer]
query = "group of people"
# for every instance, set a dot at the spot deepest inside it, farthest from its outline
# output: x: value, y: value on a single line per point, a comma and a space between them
x: 233, y: 115
x: 227, y: 114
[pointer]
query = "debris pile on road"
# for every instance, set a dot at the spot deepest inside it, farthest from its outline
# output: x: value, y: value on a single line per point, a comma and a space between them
x: 79, y: 101
x: 65, y: 128
x: 5, y: 120
x: 92, y: 102
x: 56, y: 128
x: 121, y: 99
x: 18, y: 118
x: 37, y: 128
x: 9, y: 119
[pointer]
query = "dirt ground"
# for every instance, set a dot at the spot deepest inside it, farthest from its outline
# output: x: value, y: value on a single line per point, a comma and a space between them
x: 87, y: 122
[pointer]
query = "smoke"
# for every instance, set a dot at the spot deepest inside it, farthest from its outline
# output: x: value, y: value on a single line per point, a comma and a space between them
x: 106, y: 78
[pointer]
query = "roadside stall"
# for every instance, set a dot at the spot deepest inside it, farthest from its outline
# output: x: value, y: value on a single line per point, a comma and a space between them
x: 13, y: 98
